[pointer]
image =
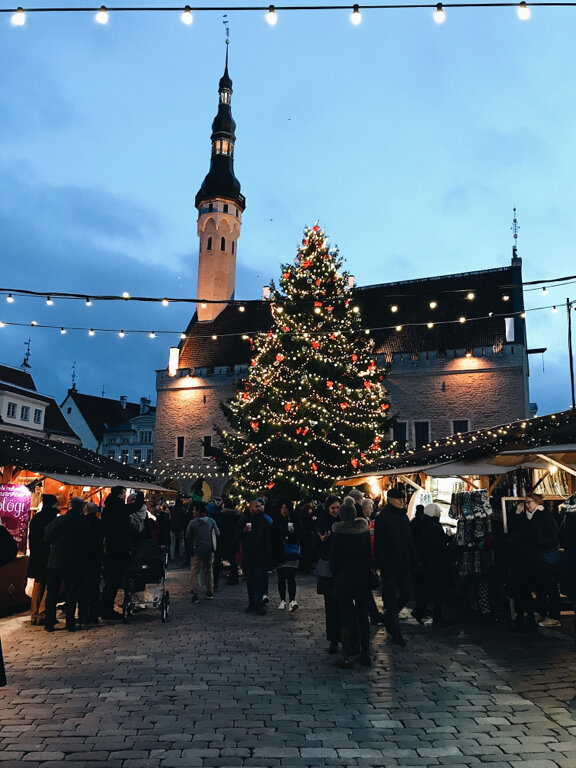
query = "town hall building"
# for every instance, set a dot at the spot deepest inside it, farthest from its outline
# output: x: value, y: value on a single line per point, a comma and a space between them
x: 454, y: 346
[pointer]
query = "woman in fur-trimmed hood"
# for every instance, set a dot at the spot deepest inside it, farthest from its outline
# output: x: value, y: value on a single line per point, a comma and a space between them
x: 350, y: 560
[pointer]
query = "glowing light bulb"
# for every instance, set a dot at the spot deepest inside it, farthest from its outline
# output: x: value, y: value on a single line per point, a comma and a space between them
x: 10, y: 299
x: 203, y: 305
x: 182, y: 335
x: 439, y: 14
x: 317, y: 310
x: 470, y: 296
x: 271, y: 16
x: 505, y: 297
x: 461, y: 319
x: 151, y: 335
x: 91, y: 332
x: 2, y: 324
x: 121, y: 334
x: 243, y: 309
x: 125, y: 295
x: 62, y: 331
x: 49, y: 301
x: 398, y: 327
x: 356, y: 16
x: 102, y: 15
x: 187, y: 17
x: 523, y: 11
x: 429, y: 325
x: 214, y: 338
x: 18, y: 18
x: 544, y: 291
x: 165, y: 302
x: 88, y: 302
x: 33, y: 322
x: 433, y: 304
x: 554, y: 309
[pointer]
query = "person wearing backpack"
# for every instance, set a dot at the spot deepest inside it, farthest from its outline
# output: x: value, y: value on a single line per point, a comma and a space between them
x: 201, y: 537
x: 287, y: 535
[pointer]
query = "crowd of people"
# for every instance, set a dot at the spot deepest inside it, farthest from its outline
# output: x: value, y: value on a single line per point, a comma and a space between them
x: 357, y: 550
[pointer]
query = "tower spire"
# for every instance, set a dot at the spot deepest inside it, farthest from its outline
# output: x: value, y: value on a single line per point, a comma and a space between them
x: 515, y: 227
x: 220, y: 206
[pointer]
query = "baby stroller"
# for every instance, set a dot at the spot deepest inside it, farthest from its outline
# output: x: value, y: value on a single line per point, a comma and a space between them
x: 145, y: 584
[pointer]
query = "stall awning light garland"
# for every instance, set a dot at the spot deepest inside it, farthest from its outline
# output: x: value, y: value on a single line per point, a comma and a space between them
x: 271, y: 13
x: 246, y: 335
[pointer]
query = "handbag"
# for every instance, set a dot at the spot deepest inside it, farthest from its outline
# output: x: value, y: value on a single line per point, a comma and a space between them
x: 292, y: 550
x: 322, y: 570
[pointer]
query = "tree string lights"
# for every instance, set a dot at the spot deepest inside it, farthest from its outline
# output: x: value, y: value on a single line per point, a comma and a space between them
x: 314, y: 404
x: 102, y: 14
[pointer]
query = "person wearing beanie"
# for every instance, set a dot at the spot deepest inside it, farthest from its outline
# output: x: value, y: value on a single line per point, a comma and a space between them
x: 329, y: 515
x: 89, y: 598
x: 117, y: 537
x: 396, y: 556
x: 358, y: 497
x: 38, y: 560
x: 350, y: 561
x: 67, y: 536
x: 537, y: 525
x: 432, y: 581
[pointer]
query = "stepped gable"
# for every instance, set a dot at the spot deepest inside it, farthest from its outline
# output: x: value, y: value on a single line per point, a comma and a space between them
x: 413, y: 297
x: 17, y: 377
x: 101, y: 413
x: 200, y: 350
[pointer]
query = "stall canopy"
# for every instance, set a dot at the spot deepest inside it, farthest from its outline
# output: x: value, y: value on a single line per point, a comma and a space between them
x: 68, y: 463
x: 473, y: 453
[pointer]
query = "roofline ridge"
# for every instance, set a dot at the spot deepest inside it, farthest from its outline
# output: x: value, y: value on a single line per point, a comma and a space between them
x: 436, y: 277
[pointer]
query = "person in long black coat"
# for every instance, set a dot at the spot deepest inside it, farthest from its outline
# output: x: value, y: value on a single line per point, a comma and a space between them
x: 396, y: 555
x: 89, y: 602
x: 329, y: 515
x: 253, y: 534
x: 67, y: 536
x: 434, y: 576
x: 39, y: 553
x: 350, y: 562
x: 117, y: 539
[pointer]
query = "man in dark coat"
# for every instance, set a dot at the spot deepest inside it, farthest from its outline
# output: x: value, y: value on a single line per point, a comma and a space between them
x: 227, y: 520
x: 433, y: 580
x: 67, y: 536
x: 253, y: 533
x: 89, y: 603
x: 117, y: 537
x: 39, y: 553
x: 396, y: 556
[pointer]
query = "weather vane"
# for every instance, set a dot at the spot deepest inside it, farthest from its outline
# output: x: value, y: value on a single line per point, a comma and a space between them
x: 515, y: 227
x: 74, y: 375
x: 226, y: 27
x: 26, y: 361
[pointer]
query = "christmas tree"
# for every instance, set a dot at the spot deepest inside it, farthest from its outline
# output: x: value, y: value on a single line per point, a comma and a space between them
x: 313, y: 408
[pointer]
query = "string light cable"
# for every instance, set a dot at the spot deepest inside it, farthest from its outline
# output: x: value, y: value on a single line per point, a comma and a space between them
x: 247, y: 335
x: 470, y: 292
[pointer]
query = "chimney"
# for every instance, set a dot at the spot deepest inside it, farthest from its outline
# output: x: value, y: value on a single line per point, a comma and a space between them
x: 123, y: 401
x: 144, y: 405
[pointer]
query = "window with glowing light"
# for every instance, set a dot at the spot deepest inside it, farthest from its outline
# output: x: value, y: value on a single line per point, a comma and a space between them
x: 225, y: 145
x: 218, y: 148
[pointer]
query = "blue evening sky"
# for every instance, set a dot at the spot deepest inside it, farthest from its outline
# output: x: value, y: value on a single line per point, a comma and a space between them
x: 410, y: 142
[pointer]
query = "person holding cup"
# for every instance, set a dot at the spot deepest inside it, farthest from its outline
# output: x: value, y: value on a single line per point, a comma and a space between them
x: 253, y: 535
x: 286, y: 540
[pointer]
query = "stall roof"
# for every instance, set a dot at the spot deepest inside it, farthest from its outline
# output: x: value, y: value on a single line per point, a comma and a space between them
x: 48, y: 457
x: 102, y: 482
x: 480, y: 447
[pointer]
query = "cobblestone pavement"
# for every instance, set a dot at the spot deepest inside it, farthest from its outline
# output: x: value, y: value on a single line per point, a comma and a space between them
x: 217, y: 687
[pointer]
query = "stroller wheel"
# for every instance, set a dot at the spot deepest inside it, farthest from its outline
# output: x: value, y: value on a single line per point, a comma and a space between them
x: 165, y: 606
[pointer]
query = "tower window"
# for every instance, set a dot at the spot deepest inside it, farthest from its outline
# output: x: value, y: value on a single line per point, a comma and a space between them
x: 225, y: 207
x: 223, y: 244
x: 225, y: 146
x: 180, y: 447
x: 210, y: 207
x: 209, y: 244
x: 233, y: 243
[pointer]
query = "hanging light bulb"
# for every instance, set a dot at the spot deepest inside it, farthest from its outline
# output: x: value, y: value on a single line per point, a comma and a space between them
x: 33, y: 322
x: 505, y: 297
x: 121, y: 334
x: 125, y: 295
x: 241, y: 309
x: 18, y: 18
x: 182, y: 335
x: 91, y: 332
x: 151, y: 335
x: 49, y: 301
x: 461, y: 319
x: 165, y: 302
x: 88, y: 302
x: 471, y: 296
x: 523, y: 11
x: 10, y: 299
x: 2, y: 324
x: 439, y: 14
x: 429, y: 325
x: 272, y: 16
x: 554, y: 309
x: 544, y: 291
x: 62, y: 331
x: 433, y: 304
x: 187, y: 17
x: 355, y: 16
x: 102, y: 15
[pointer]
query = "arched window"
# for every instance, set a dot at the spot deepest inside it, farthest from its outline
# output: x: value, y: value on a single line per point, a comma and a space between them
x: 233, y: 244
x: 223, y: 244
x: 209, y: 244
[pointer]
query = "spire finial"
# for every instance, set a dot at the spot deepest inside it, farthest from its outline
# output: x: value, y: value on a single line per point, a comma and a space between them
x: 227, y: 29
x: 74, y: 376
x: 515, y: 227
x: 26, y: 362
